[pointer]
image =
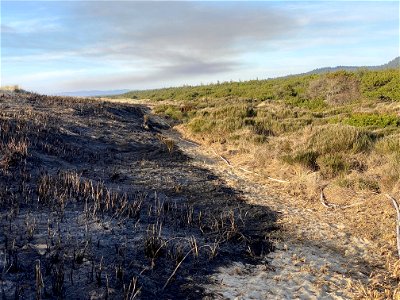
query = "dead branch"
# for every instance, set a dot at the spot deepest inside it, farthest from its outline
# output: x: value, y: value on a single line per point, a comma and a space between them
x: 189, y: 142
x: 176, y: 269
x: 277, y: 180
x: 223, y: 158
x: 323, y: 199
x: 325, y: 203
x: 268, y: 177
x: 196, y: 248
x: 396, y: 206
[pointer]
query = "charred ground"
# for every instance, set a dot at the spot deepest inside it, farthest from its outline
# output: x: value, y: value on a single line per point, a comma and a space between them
x: 96, y: 203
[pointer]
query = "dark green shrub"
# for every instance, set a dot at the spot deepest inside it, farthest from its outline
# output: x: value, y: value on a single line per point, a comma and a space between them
x: 331, y: 165
x: 375, y: 120
x: 338, y: 138
x: 199, y: 125
x: 172, y: 111
x: 382, y: 85
x: 263, y: 127
x: 307, y: 159
x: 367, y: 184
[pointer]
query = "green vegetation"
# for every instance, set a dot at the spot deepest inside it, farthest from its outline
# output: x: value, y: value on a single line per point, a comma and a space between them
x: 382, y: 85
x: 307, y: 159
x: 329, y: 146
x: 172, y: 111
x: 375, y: 120
x: 338, y: 138
x: 389, y: 145
x: 332, y: 165
x: 297, y: 90
x: 336, y: 123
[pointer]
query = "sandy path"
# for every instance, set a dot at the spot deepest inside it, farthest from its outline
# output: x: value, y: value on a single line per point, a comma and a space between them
x: 314, y: 259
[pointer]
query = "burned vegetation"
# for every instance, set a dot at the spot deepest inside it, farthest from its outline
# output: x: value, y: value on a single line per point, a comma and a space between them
x: 95, y: 203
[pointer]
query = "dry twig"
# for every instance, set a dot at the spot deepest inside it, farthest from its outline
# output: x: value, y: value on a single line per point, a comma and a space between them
x: 396, y: 206
x: 324, y: 202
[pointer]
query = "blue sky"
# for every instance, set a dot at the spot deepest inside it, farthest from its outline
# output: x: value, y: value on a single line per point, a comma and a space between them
x: 56, y: 46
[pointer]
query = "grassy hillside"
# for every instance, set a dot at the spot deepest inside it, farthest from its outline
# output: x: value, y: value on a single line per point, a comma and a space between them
x: 339, y: 124
x: 343, y: 125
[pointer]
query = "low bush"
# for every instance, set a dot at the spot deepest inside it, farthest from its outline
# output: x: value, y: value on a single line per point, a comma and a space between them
x: 368, y: 184
x: 263, y: 127
x: 375, y: 120
x: 389, y: 145
x: 335, y: 88
x: 312, y: 104
x: 382, y: 85
x: 332, y: 165
x: 337, y: 138
x: 307, y: 159
x: 171, y: 111
x: 201, y: 125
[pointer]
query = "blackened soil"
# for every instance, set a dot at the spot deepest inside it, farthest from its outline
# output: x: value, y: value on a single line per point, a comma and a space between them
x: 95, y: 203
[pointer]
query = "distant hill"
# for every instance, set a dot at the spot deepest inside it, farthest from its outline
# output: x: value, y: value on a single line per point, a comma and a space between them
x: 92, y: 93
x: 395, y: 63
